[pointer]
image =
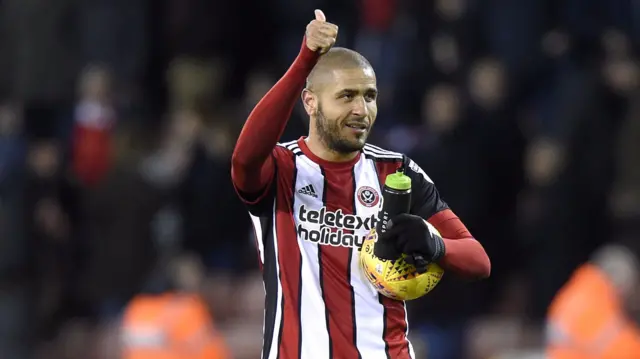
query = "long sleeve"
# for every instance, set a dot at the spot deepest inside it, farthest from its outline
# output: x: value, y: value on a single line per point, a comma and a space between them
x: 252, y: 166
x: 463, y: 253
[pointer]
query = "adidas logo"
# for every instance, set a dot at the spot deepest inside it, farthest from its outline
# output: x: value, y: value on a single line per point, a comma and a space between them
x: 309, y: 191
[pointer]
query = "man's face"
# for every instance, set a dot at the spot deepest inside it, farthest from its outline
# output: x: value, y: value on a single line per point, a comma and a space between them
x: 346, y: 109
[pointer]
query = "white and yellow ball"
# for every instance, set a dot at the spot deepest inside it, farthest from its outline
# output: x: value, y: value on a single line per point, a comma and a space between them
x: 397, y: 279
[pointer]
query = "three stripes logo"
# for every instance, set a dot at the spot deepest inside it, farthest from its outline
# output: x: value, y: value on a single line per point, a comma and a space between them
x: 309, y: 191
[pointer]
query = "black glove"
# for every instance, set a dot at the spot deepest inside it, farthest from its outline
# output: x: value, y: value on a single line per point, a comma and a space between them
x: 411, y: 236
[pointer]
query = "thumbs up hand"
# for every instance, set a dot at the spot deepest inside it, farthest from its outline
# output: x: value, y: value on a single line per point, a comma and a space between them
x: 321, y: 35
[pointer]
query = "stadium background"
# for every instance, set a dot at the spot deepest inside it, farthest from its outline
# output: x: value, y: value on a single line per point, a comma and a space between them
x: 118, y: 117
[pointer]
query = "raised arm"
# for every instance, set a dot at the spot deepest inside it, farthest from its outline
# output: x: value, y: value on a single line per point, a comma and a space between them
x: 252, y: 166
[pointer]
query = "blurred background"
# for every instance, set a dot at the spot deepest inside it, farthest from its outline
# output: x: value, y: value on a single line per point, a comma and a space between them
x: 118, y: 118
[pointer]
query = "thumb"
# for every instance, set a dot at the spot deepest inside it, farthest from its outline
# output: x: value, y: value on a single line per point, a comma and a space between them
x: 320, y: 15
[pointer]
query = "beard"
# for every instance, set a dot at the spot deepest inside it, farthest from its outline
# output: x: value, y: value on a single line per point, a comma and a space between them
x: 331, y: 134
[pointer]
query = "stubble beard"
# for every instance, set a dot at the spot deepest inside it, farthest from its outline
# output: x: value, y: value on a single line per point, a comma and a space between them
x: 330, y: 135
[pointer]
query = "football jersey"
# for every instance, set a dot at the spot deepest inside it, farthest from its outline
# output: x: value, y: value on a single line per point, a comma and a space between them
x: 310, y: 225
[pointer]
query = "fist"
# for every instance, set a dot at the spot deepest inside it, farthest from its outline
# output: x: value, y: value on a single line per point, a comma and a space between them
x: 321, y: 35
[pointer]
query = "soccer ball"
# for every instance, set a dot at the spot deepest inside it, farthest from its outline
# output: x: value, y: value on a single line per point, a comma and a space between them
x: 397, y: 279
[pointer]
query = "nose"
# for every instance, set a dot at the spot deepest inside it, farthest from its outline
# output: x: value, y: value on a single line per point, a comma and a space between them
x: 360, y: 107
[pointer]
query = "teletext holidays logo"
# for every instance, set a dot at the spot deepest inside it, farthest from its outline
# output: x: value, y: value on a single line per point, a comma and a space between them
x: 336, y: 228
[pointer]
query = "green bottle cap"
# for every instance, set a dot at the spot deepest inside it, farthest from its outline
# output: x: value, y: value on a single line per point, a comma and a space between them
x: 398, y: 181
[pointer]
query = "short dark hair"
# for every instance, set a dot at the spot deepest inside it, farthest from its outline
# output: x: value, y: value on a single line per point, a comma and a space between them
x: 336, y: 58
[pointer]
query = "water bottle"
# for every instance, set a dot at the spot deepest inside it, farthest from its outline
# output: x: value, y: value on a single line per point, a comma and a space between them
x: 396, y: 199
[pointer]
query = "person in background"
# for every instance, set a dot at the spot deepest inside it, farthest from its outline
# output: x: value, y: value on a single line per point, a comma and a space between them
x: 175, y: 324
x: 95, y: 117
x: 595, y: 315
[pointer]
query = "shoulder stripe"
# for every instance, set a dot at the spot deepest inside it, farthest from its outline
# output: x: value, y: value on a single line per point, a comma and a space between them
x: 381, y: 151
x: 288, y: 143
x: 296, y: 150
x: 292, y: 146
x: 382, y: 159
x: 379, y: 156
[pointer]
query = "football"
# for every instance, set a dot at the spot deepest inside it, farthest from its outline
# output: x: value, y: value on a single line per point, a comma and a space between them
x: 397, y: 279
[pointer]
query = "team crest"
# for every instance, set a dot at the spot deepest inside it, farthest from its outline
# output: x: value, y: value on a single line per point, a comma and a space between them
x: 368, y: 196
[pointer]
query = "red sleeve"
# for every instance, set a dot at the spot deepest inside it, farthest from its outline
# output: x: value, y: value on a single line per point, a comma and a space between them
x: 463, y: 253
x: 252, y: 166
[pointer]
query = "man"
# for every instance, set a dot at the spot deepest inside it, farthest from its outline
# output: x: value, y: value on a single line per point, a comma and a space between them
x: 596, y: 314
x: 313, y: 200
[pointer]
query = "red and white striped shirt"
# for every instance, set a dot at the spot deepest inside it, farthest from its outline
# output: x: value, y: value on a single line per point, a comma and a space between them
x: 310, y: 225
x: 310, y: 217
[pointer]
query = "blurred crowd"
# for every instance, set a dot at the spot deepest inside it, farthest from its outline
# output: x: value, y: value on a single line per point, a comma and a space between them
x: 118, y: 118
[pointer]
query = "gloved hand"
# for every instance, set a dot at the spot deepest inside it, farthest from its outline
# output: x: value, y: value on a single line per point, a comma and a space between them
x: 411, y: 236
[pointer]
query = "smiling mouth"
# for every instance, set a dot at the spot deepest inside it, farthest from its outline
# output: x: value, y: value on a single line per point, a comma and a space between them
x: 357, y: 126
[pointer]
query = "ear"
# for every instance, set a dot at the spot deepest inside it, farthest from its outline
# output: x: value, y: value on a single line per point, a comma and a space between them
x: 310, y: 101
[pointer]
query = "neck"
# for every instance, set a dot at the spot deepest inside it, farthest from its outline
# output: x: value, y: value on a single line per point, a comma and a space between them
x: 320, y: 149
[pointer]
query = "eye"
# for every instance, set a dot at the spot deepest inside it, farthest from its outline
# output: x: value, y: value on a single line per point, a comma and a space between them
x: 347, y: 96
x: 370, y: 97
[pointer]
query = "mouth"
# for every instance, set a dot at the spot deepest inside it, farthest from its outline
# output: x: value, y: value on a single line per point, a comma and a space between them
x: 357, y: 126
